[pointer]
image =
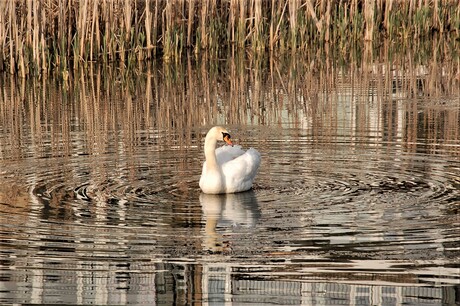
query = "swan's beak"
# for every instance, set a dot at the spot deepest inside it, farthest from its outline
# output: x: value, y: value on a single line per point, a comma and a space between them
x: 227, y: 140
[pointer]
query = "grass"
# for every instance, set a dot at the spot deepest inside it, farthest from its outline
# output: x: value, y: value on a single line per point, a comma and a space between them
x: 38, y: 37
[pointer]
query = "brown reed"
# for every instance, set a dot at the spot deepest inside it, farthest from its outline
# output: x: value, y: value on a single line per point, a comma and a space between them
x: 37, y: 37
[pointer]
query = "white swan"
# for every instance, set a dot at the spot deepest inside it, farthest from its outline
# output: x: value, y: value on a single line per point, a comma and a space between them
x: 228, y: 169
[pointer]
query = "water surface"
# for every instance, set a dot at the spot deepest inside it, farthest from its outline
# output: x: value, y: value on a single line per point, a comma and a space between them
x: 356, y: 201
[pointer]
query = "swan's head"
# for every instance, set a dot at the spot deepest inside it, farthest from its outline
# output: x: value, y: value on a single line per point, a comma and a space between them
x: 220, y: 133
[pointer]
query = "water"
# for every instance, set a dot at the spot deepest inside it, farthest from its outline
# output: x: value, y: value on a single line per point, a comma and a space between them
x: 356, y: 201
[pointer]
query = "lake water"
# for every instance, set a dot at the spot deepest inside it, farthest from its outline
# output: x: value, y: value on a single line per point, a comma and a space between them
x: 356, y: 201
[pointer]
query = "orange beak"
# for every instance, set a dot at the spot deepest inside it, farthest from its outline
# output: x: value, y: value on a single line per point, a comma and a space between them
x: 227, y: 140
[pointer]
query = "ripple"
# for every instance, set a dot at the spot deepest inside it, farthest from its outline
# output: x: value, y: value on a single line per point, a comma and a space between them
x: 368, y: 202
x: 336, y: 171
x: 344, y: 210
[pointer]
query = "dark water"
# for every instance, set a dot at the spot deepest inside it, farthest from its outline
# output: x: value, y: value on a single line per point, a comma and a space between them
x: 356, y: 201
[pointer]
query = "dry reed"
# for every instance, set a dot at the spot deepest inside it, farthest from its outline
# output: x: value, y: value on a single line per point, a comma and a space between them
x: 37, y: 37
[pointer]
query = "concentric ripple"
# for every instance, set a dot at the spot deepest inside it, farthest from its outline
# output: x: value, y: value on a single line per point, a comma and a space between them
x: 336, y: 210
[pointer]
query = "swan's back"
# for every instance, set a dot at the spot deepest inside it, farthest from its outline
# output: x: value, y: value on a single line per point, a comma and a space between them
x: 240, y: 171
x: 225, y: 154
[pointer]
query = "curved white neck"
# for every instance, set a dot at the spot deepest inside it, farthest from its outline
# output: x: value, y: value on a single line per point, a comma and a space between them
x: 210, y: 144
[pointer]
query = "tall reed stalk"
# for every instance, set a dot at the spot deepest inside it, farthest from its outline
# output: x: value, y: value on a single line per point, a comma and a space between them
x: 37, y: 37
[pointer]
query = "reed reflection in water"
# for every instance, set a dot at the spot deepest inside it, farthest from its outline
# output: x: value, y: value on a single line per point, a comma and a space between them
x: 356, y: 200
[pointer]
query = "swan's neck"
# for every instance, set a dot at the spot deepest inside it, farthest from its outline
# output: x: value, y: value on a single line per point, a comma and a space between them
x: 210, y: 153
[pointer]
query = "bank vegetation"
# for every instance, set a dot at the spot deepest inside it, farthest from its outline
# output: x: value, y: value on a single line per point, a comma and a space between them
x: 37, y: 37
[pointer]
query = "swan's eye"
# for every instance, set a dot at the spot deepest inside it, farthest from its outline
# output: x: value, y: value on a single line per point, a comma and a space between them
x: 227, y: 138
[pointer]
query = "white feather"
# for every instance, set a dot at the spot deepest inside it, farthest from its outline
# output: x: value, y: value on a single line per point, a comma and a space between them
x: 234, y: 170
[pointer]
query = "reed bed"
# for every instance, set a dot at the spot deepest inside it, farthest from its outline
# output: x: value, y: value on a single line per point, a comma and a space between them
x: 37, y: 37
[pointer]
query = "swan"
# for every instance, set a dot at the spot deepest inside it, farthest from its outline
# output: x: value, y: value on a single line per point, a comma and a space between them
x: 228, y: 169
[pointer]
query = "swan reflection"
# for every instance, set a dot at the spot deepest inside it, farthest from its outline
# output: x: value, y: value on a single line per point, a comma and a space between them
x: 226, y: 211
